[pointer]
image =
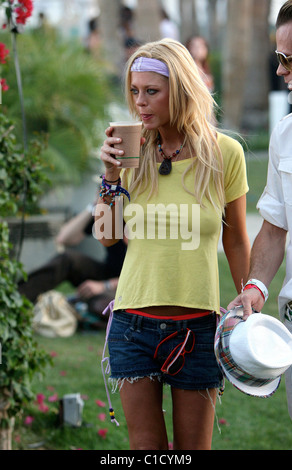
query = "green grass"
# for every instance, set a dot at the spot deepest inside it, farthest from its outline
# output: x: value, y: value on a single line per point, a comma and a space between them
x: 245, y: 422
x: 256, y: 168
x: 242, y: 422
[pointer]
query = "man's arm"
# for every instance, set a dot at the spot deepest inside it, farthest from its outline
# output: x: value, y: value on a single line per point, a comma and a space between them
x: 90, y: 288
x: 266, y: 257
x: 72, y: 232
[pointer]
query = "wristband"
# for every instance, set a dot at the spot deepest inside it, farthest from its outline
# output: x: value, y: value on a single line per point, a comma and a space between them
x: 107, y: 285
x: 112, y: 189
x: 259, y: 286
x: 252, y: 286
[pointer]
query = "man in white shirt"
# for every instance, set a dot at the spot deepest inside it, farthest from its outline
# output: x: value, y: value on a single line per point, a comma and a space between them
x: 275, y: 206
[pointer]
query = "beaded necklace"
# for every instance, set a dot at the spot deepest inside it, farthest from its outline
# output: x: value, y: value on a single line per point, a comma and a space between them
x: 165, y: 167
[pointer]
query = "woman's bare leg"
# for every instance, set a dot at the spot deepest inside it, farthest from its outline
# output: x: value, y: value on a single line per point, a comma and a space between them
x: 142, y: 404
x: 193, y: 418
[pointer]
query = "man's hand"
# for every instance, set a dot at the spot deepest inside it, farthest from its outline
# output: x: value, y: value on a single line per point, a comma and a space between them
x: 250, y: 300
x: 90, y: 288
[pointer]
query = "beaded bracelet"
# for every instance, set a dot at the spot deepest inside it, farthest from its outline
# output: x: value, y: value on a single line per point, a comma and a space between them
x: 260, y: 286
x: 112, y: 190
x: 117, y: 181
x: 105, y: 192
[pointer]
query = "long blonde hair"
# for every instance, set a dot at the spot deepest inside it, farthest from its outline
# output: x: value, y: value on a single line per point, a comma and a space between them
x: 191, y: 108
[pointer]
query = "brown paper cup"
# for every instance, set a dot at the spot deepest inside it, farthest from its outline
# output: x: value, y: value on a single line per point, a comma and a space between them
x: 130, y: 132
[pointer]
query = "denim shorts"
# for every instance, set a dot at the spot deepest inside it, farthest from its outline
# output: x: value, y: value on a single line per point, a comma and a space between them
x: 133, y: 339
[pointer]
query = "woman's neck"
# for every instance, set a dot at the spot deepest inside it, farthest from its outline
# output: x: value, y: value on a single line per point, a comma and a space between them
x: 170, y: 140
x: 170, y: 150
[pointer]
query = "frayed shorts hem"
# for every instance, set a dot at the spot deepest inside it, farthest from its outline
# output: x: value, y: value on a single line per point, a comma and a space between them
x: 117, y: 382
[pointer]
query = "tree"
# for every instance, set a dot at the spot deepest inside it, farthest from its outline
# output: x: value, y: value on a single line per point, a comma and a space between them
x: 110, y: 33
x: 245, y: 78
x: 65, y: 92
x: 147, y: 20
x: 235, y: 61
x: 255, y: 113
x: 213, y: 25
x: 189, y: 23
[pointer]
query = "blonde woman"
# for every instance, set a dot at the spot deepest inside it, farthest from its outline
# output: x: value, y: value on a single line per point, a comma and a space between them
x: 193, y: 178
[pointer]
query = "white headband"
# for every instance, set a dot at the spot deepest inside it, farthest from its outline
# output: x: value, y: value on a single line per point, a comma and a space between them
x: 146, y: 64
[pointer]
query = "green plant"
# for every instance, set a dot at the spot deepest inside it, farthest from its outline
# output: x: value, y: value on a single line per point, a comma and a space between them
x: 20, y: 173
x: 21, y: 178
x: 65, y: 93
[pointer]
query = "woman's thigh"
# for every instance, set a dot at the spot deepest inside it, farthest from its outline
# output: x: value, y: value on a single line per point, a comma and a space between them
x: 193, y: 418
x: 142, y: 404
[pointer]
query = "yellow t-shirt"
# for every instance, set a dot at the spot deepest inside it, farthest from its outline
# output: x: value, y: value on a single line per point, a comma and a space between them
x: 172, y: 250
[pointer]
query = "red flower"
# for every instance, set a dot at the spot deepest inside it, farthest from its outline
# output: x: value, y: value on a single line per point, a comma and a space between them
x: 3, y: 84
x: 40, y: 398
x: 3, y: 53
x: 24, y: 11
x: 102, y: 433
x: 223, y: 421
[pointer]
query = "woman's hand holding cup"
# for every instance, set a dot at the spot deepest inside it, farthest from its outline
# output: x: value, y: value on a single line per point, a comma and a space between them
x: 109, y: 153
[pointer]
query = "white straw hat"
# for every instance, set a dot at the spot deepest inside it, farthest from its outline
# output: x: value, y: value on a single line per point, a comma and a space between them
x: 253, y: 354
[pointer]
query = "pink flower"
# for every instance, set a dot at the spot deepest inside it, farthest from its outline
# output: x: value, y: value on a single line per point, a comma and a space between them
x: 102, y: 433
x: 63, y: 373
x: 53, y: 354
x: 101, y: 416
x: 29, y: 420
x: 43, y: 408
x: 53, y: 397
x: 100, y: 403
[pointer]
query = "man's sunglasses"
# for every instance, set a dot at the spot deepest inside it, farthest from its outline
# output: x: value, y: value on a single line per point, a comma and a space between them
x: 284, y: 60
x: 176, y: 359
